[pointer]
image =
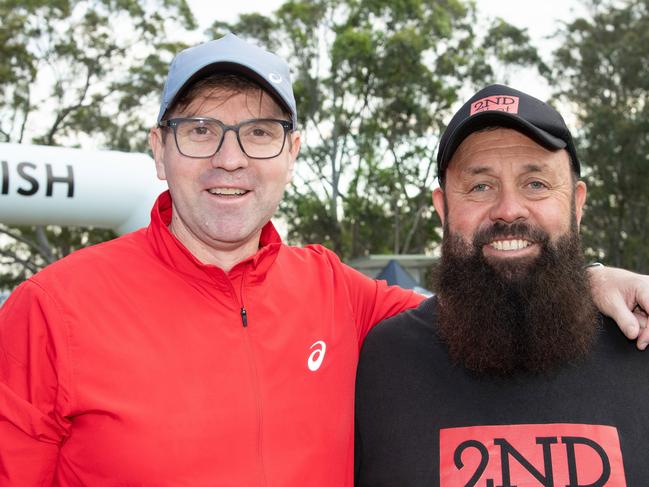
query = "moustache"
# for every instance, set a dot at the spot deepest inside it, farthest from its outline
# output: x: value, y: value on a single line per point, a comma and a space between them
x: 502, y: 230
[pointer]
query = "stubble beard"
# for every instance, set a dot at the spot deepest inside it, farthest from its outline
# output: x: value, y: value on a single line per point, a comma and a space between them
x: 500, y: 316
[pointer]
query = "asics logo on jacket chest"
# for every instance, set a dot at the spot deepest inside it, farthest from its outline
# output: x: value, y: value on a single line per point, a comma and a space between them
x: 317, y: 355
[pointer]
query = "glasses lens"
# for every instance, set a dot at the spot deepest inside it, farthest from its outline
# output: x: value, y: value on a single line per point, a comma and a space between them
x: 198, y: 138
x: 262, y: 138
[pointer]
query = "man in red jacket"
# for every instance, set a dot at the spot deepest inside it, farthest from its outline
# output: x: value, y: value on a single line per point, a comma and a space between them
x: 200, y: 351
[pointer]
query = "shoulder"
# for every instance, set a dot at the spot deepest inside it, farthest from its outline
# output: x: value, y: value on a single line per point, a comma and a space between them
x: 311, y: 252
x: 611, y: 340
x: 317, y: 259
x: 82, y: 264
x: 405, y: 328
x: 398, y: 350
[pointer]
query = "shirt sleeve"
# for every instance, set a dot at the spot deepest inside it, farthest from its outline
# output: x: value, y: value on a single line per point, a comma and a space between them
x: 374, y: 300
x: 32, y: 392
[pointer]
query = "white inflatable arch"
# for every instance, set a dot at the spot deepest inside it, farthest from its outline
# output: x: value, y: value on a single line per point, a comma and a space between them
x: 42, y: 185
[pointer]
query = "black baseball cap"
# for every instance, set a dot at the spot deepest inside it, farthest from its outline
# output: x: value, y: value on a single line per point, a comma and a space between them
x: 502, y: 106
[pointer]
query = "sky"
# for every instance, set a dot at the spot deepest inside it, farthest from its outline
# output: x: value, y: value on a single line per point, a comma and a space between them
x: 541, y: 18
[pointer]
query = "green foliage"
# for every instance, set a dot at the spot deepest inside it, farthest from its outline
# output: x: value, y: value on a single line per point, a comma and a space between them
x: 603, y: 66
x: 374, y: 82
x: 72, y: 71
x: 32, y: 248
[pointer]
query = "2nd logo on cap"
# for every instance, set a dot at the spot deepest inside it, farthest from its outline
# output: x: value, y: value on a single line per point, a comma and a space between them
x: 317, y: 355
x: 501, y: 103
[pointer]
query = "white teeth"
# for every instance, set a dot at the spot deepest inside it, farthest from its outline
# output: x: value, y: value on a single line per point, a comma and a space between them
x: 227, y: 191
x: 510, y: 244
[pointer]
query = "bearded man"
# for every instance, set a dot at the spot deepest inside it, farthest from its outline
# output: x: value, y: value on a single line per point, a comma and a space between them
x: 504, y: 378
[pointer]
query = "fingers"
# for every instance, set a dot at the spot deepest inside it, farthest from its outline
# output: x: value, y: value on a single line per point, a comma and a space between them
x: 643, y: 319
x: 641, y: 307
x: 628, y: 323
x: 642, y: 300
x: 624, y: 296
x: 643, y: 339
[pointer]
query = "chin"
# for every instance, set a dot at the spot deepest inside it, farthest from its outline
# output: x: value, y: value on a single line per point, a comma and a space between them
x: 232, y: 232
x: 512, y: 268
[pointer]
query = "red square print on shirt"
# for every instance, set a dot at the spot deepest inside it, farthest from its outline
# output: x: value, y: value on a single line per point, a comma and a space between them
x: 531, y: 455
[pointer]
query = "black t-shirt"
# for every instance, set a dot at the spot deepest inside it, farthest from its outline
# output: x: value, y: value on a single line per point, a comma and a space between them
x: 421, y: 421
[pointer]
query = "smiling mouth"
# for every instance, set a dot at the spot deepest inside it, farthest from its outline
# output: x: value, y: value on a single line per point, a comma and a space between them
x: 227, y: 191
x: 510, y: 244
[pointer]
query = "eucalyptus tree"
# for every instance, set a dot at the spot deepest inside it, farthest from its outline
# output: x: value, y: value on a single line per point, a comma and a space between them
x: 602, y: 68
x: 375, y: 80
x: 75, y: 71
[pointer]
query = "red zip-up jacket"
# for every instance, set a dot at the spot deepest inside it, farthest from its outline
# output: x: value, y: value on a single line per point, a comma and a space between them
x: 130, y: 363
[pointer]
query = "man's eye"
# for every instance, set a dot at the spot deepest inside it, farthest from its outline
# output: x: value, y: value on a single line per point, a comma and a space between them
x: 479, y: 188
x: 537, y: 185
x: 258, y: 132
x: 201, y: 130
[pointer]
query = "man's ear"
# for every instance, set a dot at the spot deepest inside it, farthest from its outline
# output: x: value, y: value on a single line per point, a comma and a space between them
x: 580, y: 198
x: 439, y: 204
x: 156, y: 142
x: 293, y: 152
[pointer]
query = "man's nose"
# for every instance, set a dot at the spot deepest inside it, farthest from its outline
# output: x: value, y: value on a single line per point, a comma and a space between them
x: 230, y: 156
x: 509, y: 206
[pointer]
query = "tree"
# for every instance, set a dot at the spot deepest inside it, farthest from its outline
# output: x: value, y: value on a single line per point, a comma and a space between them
x: 603, y: 65
x: 374, y: 81
x: 72, y: 71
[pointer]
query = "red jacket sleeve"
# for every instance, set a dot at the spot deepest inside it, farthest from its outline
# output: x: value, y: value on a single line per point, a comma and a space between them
x: 374, y: 301
x: 33, y: 395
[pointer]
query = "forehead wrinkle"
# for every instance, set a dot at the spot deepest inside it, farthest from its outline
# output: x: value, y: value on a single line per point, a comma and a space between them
x: 489, y: 152
x: 257, y: 102
x: 527, y: 168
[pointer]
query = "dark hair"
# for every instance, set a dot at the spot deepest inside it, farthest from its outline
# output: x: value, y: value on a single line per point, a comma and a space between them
x: 233, y: 82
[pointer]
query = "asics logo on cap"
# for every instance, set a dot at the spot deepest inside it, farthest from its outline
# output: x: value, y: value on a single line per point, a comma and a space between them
x: 317, y: 356
x: 275, y: 78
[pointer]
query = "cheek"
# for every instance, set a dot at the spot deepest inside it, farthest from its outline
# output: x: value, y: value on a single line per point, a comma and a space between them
x: 275, y: 178
x: 182, y: 173
x: 464, y: 219
x: 554, y: 216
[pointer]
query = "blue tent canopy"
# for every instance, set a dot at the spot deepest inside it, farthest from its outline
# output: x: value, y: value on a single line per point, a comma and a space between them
x: 396, y: 275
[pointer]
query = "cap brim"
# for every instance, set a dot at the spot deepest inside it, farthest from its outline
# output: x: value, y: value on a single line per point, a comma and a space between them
x: 236, y: 68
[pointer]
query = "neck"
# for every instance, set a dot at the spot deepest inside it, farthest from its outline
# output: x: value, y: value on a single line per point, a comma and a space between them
x: 224, y: 255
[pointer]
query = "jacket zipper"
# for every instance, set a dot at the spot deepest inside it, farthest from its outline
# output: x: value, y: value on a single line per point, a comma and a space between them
x: 244, y: 317
x: 255, y: 381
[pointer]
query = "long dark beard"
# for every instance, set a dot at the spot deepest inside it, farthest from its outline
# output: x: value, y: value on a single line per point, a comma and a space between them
x: 506, y: 315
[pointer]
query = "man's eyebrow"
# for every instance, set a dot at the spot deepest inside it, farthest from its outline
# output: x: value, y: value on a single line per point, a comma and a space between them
x: 475, y: 170
x: 531, y: 167
x: 528, y: 167
x: 534, y: 167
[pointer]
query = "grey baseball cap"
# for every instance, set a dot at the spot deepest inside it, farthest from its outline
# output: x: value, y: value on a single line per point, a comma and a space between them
x: 229, y: 54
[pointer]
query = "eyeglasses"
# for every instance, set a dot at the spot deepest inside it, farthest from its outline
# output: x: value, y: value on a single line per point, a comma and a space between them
x: 202, y: 137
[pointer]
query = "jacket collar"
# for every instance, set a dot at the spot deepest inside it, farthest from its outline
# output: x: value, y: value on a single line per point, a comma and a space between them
x: 174, y: 254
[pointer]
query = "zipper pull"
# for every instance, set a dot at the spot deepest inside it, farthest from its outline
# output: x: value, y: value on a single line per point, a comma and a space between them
x: 244, y: 317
